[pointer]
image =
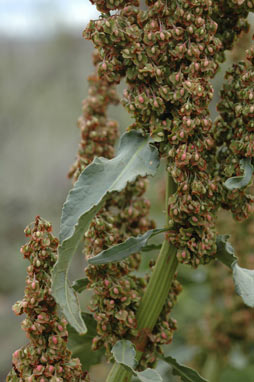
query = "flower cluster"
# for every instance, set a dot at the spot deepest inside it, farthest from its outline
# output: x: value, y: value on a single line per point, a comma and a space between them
x: 234, y: 132
x: 98, y: 134
x: 46, y: 358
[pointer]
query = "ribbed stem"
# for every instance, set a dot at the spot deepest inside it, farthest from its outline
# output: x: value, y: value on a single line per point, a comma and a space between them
x: 154, y: 297
x: 158, y: 288
x: 119, y: 373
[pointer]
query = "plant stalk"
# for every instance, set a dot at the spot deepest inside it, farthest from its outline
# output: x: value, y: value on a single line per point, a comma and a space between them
x: 154, y: 297
x: 212, y: 368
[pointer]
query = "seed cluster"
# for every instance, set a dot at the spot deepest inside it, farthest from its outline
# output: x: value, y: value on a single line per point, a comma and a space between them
x: 98, y: 134
x: 234, y: 132
x: 168, y: 55
x: 230, y: 15
x: 111, y: 5
x: 46, y: 357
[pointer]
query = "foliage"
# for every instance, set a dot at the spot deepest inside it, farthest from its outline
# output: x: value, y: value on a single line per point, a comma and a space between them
x: 186, y: 373
x: 124, y: 352
x: 123, y: 250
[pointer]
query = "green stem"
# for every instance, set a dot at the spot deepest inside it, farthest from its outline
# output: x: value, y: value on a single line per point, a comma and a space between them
x: 119, y: 373
x: 213, y: 368
x: 158, y: 288
x: 154, y: 297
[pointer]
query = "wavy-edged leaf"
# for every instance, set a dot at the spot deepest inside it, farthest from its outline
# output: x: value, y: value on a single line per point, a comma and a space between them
x: 121, y: 251
x: 148, y: 375
x: 136, y: 157
x: 243, y: 180
x: 80, y: 345
x: 124, y: 352
x: 80, y: 284
x: 186, y: 373
x: 244, y: 283
x: 225, y: 252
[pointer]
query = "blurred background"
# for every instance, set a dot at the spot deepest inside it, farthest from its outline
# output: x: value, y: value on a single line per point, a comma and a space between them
x: 44, y: 62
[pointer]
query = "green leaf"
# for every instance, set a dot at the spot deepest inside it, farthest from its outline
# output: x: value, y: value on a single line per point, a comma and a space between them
x: 148, y: 375
x: 136, y: 157
x: 244, y: 283
x: 243, y: 180
x: 67, y: 298
x: 121, y: 251
x: 80, y: 345
x: 225, y: 252
x: 80, y: 285
x: 186, y: 373
x: 243, y: 278
x: 124, y: 352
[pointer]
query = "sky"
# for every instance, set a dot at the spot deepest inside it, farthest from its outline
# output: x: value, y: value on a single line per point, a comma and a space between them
x: 35, y: 18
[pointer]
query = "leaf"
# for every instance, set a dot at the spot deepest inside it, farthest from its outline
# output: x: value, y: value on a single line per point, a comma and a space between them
x: 225, y: 252
x: 122, y: 251
x: 243, y: 278
x: 148, y: 375
x: 124, y: 352
x: 80, y: 345
x: 243, y: 180
x: 136, y: 157
x: 80, y: 285
x: 66, y: 297
x: 186, y: 373
x: 244, y: 283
